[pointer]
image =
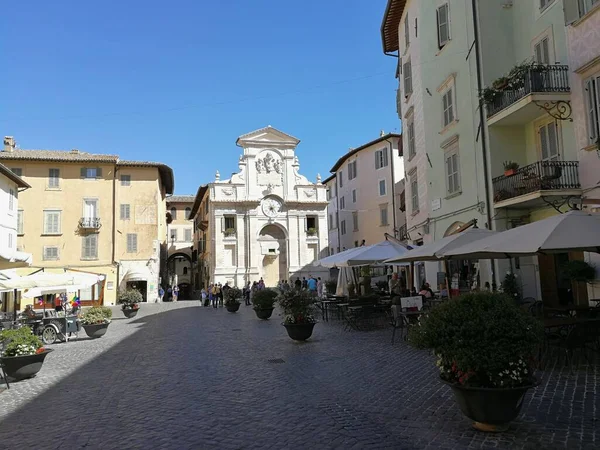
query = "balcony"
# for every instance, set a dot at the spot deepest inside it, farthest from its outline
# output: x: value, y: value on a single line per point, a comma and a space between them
x: 531, y: 91
x: 90, y: 223
x: 530, y: 185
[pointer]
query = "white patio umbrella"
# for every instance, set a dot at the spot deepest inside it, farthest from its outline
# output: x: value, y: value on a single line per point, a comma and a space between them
x: 375, y: 254
x: 569, y: 232
x: 338, y: 259
x: 436, y: 250
x: 345, y: 277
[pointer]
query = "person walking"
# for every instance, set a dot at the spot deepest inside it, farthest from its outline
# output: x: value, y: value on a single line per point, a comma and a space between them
x: 298, y: 284
x: 161, y: 293
x: 311, y: 285
x: 175, y: 293
x: 304, y: 284
x: 247, y: 294
x: 215, y: 298
x: 261, y: 284
x: 203, y: 297
x: 220, y: 294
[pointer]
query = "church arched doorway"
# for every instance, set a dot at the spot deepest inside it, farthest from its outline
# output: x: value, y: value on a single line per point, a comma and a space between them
x: 273, y: 254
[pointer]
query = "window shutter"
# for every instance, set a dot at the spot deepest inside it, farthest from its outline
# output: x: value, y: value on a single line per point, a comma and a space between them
x: 99, y: 172
x: 385, y: 157
x: 376, y: 160
x: 571, y: 11
x: 82, y: 172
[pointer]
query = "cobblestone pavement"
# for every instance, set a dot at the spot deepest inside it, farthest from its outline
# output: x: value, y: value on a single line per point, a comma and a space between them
x: 180, y: 376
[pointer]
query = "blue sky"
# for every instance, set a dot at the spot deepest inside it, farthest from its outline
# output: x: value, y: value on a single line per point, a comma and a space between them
x: 179, y: 81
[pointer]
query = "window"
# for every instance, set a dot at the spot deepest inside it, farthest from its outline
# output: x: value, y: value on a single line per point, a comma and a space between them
x: 592, y: 96
x: 91, y: 173
x: 412, y: 149
x: 448, y: 106
x: 187, y: 235
x: 125, y: 180
x: 90, y: 208
x: 328, y: 194
x: 407, y: 72
x: 20, y: 222
x: 50, y: 253
x: 452, y: 171
x: 583, y: 6
x: 443, y: 24
x: 352, y: 170
x: 174, y: 213
x: 353, y: 195
x: 187, y: 213
x: 381, y: 158
x: 125, y: 211
x: 342, y: 203
x: 52, y: 222
x: 173, y: 236
x: 545, y: 3
x: 382, y: 188
x: 53, y: 178
x: 330, y: 223
x: 341, y: 178
x: 132, y: 243
x: 406, y: 32
x: 414, y: 193
x: 548, y: 135
x: 337, y: 219
x: 89, y: 246
x: 355, y: 220
x: 11, y: 199
x: 343, y: 227
x: 16, y: 171
x: 541, y: 51
x: 383, y: 215
x: 229, y: 222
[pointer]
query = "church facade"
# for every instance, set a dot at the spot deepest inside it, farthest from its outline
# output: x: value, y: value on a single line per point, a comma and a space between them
x: 267, y: 221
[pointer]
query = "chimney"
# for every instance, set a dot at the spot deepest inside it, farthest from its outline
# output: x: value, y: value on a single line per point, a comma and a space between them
x: 381, y: 133
x: 9, y: 144
x: 75, y: 151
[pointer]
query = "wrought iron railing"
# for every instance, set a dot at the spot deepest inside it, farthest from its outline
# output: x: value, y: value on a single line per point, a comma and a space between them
x: 90, y: 223
x: 539, y: 176
x: 402, y: 233
x: 537, y: 79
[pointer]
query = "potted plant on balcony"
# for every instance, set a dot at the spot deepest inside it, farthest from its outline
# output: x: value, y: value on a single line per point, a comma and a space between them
x: 231, y: 297
x: 578, y: 272
x: 229, y: 232
x: 96, y: 320
x: 298, y: 309
x: 263, y: 302
x: 485, y: 345
x: 510, y: 168
x: 129, y: 300
x: 311, y: 231
x: 22, y: 353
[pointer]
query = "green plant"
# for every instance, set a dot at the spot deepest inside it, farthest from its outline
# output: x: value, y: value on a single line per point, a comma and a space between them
x: 510, y: 165
x: 510, y: 286
x: 96, y: 315
x: 331, y: 286
x: 264, y: 298
x: 481, y: 339
x: 311, y: 231
x: 297, y: 307
x: 229, y: 231
x: 129, y: 299
x: 232, y: 295
x: 20, y: 342
x: 578, y: 270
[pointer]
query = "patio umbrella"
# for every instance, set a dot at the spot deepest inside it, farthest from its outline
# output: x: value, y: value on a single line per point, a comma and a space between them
x: 339, y: 258
x: 436, y: 250
x: 345, y: 277
x: 375, y: 254
x: 569, y: 232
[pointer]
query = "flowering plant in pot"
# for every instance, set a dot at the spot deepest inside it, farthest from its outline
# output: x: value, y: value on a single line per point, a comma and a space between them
x: 22, y: 353
x: 231, y: 298
x: 298, y: 308
x: 485, y: 345
x: 510, y: 168
x: 263, y: 302
x: 129, y: 300
x: 95, y: 321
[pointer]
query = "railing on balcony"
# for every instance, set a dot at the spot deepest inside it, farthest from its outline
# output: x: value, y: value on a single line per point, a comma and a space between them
x: 539, y: 176
x: 92, y: 223
x: 537, y: 79
x: 402, y: 233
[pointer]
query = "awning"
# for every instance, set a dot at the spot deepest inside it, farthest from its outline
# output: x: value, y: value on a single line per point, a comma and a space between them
x: 136, y: 275
x: 44, y: 282
x: 15, y: 259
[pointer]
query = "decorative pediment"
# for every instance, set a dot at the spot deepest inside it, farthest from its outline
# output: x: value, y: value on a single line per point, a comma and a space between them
x: 267, y: 136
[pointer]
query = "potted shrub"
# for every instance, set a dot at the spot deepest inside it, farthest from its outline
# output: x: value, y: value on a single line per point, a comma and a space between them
x: 298, y: 308
x: 23, y: 354
x: 485, y: 345
x: 230, y: 232
x: 331, y: 287
x: 311, y: 231
x: 262, y: 303
x: 579, y: 271
x: 129, y: 300
x: 365, y: 280
x: 510, y: 168
x: 96, y: 320
x: 231, y: 297
x: 510, y: 286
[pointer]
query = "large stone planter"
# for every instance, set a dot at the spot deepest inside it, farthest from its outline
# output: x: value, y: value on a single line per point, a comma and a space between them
x: 233, y: 307
x: 264, y: 313
x: 491, y: 409
x: 299, y: 331
x: 23, y: 367
x: 96, y: 330
x: 129, y: 313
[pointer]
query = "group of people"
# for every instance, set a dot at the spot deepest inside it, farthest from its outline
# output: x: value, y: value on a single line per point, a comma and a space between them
x: 172, y: 293
x: 397, y: 287
x: 314, y: 285
x: 213, y: 295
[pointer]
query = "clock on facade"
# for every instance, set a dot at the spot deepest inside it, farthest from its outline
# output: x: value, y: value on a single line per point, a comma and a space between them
x: 271, y: 207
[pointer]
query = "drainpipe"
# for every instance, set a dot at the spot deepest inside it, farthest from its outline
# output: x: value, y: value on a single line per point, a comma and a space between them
x: 482, y: 120
x: 393, y: 186
x: 114, y: 233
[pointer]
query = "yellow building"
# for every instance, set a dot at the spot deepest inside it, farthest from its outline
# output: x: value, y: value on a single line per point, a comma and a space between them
x: 93, y: 213
x: 180, y: 244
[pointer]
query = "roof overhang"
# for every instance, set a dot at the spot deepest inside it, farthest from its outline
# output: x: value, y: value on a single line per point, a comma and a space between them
x: 354, y: 151
x: 389, y: 25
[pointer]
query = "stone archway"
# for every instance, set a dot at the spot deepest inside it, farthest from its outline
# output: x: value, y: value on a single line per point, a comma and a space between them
x: 273, y: 254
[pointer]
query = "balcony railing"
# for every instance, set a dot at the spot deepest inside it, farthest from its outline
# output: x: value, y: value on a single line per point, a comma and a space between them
x: 539, y: 176
x: 403, y: 233
x: 92, y: 223
x: 537, y: 79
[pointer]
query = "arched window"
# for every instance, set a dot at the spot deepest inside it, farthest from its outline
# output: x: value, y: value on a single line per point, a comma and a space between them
x: 188, y: 210
x: 174, y: 213
x: 185, y: 270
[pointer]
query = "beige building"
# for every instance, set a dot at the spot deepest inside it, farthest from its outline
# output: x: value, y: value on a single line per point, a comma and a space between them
x: 180, y: 242
x: 94, y: 213
x: 363, y: 202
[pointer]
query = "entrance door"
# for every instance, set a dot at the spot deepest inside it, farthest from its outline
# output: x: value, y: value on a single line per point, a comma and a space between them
x: 548, y: 280
x: 274, y: 266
